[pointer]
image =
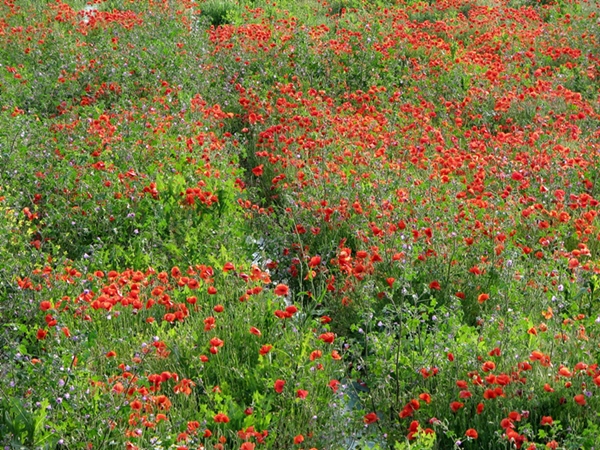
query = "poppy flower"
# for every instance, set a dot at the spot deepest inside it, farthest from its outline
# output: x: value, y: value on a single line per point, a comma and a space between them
x: 209, y: 323
x: 425, y: 397
x: 334, y: 384
x: 247, y: 446
x: 315, y: 354
x: 495, y: 352
x: 282, y: 290
x: 328, y: 337
x: 136, y: 405
x: 370, y: 418
x: 299, y: 439
x: 212, y: 290
x: 45, y: 305
x: 258, y: 170
x: 546, y: 420
x: 455, y: 406
x: 255, y: 331
x: 41, y: 334
x: 169, y: 317
x: 265, y: 349
x: 216, y: 342
x: 301, y: 393
x: 435, y: 285
x: 314, y: 261
x: 471, y: 433
x: 580, y: 399
x: 482, y: 298
x: 488, y: 366
x: 278, y: 386
x: 465, y: 394
x: 221, y: 418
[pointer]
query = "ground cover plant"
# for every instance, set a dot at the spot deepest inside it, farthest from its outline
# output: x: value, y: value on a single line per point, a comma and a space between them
x: 298, y: 225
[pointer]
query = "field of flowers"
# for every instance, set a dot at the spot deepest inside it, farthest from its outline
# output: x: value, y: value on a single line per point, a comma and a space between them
x: 315, y: 224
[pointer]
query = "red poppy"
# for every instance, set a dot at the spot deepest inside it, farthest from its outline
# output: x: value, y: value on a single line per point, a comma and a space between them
x: 471, y: 433
x: 255, y: 331
x: 209, y: 323
x: 221, y: 418
x: 301, y: 393
x: 265, y: 349
x: 278, y: 386
x: 136, y: 404
x: 216, y: 342
x: 425, y: 397
x: 282, y: 290
x: 315, y: 354
x: 327, y: 337
x: 495, y: 352
x: 580, y: 399
x: 546, y: 420
x: 299, y: 439
x: 45, y: 305
x: 41, y: 334
x: 370, y: 418
x: 334, y: 384
x: 314, y: 261
x: 455, y: 406
x: 488, y: 366
x: 482, y: 298
x: 435, y: 285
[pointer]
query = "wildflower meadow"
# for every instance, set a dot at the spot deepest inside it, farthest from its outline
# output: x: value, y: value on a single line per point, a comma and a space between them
x: 299, y: 224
